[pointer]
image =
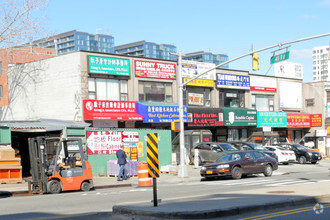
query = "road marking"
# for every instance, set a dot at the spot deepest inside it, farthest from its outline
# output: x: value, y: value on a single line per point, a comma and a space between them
x: 296, y: 182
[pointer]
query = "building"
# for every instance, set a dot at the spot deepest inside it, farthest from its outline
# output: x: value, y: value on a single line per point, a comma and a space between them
x: 207, y: 57
x: 147, y: 49
x: 321, y: 63
x: 76, y: 40
x: 11, y: 56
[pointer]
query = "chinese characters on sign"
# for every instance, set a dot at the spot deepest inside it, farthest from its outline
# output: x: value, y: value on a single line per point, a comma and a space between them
x: 201, y: 117
x: 316, y: 120
x: 298, y: 120
x: 271, y: 119
x: 199, y: 82
x: 233, y: 81
x: 155, y: 70
x: 109, y: 65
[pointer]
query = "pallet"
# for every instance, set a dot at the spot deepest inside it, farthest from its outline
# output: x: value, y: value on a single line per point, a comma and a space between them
x: 10, y: 181
x: 169, y: 172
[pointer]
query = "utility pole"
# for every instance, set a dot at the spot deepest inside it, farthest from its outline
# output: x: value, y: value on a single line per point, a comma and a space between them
x: 182, y: 172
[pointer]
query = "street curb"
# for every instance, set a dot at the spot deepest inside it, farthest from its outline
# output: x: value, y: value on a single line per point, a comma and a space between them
x: 216, y: 213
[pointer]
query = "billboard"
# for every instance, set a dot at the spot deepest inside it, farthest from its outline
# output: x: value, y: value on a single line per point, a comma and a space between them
x: 294, y: 100
x: 190, y: 69
x: 157, y: 70
x: 264, y: 84
x: 108, y: 65
x: 288, y: 70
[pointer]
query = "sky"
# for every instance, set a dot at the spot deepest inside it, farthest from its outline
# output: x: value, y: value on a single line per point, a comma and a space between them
x: 226, y: 27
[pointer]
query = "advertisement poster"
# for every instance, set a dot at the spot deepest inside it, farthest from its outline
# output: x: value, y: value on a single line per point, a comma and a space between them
x: 109, y: 142
x: 316, y: 120
x: 157, y: 70
x: 108, y: 65
x: 263, y: 84
x: 230, y: 81
x: 271, y: 119
x: 288, y: 70
x: 298, y: 120
x: 190, y: 69
x: 195, y: 99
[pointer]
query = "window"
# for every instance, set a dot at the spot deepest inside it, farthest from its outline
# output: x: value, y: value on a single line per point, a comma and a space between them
x: 197, y: 97
x: 263, y: 102
x: 0, y: 68
x: 232, y: 98
x: 107, y: 89
x: 1, y: 91
x: 259, y: 155
x: 155, y: 92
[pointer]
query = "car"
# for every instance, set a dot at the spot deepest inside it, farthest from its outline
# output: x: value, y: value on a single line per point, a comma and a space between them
x: 302, y: 153
x: 240, y: 163
x: 253, y: 146
x: 209, y: 152
x: 284, y: 155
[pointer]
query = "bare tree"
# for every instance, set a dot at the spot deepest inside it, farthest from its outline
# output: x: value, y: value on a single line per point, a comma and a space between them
x: 20, y: 20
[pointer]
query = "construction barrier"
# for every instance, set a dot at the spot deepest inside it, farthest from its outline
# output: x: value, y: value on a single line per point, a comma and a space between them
x: 144, y: 179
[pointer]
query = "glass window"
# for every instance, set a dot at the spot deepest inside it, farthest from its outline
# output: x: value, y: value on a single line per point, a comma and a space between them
x: 1, y: 91
x: 107, y: 89
x: 0, y: 68
x: 197, y: 97
x: 259, y: 155
x: 232, y: 98
x: 155, y: 92
x: 263, y: 102
x: 226, y: 157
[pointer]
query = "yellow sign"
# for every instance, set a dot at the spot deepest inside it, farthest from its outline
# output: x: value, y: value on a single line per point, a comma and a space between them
x: 140, y: 148
x: 200, y: 82
x: 152, y: 155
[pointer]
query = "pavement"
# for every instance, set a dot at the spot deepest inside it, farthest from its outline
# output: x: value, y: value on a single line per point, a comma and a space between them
x: 216, y: 205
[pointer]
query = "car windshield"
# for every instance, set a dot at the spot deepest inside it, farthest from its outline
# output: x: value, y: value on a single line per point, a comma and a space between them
x: 281, y: 148
x: 258, y: 147
x: 299, y: 147
x: 227, y: 147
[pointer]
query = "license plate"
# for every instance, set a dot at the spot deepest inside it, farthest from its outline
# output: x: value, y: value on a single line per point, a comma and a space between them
x: 209, y: 172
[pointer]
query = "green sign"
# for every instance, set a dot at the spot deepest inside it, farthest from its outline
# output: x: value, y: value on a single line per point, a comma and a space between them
x: 271, y: 119
x: 109, y: 65
x: 239, y: 117
x: 279, y: 58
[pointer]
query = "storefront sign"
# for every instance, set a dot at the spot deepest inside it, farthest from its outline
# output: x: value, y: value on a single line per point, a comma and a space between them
x: 110, y: 110
x: 109, y: 65
x: 160, y: 113
x: 191, y: 69
x: 271, y: 119
x: 316, y: 120
x: 233, y: 81
x: 298, y: 120
x: 263, y: 84
x: 157, y: 70
x: 195, y: 99
x: 109, y: 142
x: 205, y: 117
x: 239, y: 117
x: 200, y: 82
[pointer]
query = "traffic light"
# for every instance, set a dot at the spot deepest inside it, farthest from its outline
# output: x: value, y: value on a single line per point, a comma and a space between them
x: 175, y: 126
x: 255, y: 62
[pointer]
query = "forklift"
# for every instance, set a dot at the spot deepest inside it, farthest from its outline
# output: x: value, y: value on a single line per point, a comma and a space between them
x: 58, y: 164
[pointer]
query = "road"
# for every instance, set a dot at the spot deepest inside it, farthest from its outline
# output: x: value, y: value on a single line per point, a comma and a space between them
x: 102, y: 200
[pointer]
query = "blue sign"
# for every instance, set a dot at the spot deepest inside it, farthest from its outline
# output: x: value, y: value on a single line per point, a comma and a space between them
x: 233, y: 81
x: 160, y: 113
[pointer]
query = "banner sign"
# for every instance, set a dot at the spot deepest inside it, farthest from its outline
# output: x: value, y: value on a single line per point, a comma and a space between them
x: 190, y: 69
x: 205, y: 117
x: 109, y: 142
x: 109, y: 65
x: 271, y: 119
x: 200, y: 82
x: 263, y: 84
x: 233, y: 81
x: 160, y: 113
x: 239, y: 117
x: 298, y: 120
x: 110, y: 110
x: 316, y: 120
x: 157, y: 70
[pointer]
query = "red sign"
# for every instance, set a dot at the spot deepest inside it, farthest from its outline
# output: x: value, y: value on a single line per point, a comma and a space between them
x: 316, y: 120
x: 205, y: 120
x: 264, y: 89
x: 298, y: 120
x: 155, y: 70
x: 109, y: 142
x: 110, y: 110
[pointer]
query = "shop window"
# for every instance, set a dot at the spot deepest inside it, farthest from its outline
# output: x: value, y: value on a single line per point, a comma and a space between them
x: 155, y: 92
x: 263, y: 102
x: 232, y: 98
x: 197, y: 97
x: 107, y: 89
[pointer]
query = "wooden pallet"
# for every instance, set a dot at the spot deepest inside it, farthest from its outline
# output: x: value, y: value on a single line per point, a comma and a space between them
x: 10, y: 181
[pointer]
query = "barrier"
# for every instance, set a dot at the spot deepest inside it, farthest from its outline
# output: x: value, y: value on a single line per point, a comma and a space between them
x: 144, y: 179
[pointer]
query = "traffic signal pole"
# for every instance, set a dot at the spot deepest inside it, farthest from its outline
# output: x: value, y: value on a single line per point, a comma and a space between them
x: 182, y: 171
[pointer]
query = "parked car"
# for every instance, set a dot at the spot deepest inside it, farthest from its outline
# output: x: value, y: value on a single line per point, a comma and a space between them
x: 284, y: 155
x: 209, y: 152
x: 253, y: 146
x: 302, y: 153
x: 239, y: 163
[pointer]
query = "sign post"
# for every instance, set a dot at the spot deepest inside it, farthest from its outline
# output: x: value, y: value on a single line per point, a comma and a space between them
x: 152, y: 160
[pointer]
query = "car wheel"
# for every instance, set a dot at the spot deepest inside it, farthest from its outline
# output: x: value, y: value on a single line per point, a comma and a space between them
x: 85, y: 186
x: 302, y: 160
x: 54, y: 186
x: 236, y: 173
x: 285, y: 163
x: 268, y: 170
x: 314, y: 162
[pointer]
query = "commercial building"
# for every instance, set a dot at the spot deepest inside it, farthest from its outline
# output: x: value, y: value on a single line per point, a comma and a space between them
x: 321, y: 63
x: 148, y: 50
x: 207, y: 57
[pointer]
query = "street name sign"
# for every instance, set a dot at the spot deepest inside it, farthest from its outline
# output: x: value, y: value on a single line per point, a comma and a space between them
x: 279, y: 57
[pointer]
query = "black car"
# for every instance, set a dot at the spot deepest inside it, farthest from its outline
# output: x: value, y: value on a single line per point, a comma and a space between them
x: 253, y: 146
x: 303, y: 154
x: 239, y: 163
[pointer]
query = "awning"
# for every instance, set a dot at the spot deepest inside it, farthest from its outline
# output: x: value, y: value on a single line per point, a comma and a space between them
x: 160, y: 112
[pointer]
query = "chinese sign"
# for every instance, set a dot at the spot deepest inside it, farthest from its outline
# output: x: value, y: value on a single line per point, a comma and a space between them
x: 316, y: 120
x: 155, y: 69
x: 200, y: 82
x: 109, y: 142
x: 233, y: 81
x: 109, y: 65
x: 271, y: 119
x: 298, y: 120
x: 191, y: 69
x: 110, y: 110
x: 195, y: 99
x: 239, y: 117
x: 201, y: 117
x: 158, y: 113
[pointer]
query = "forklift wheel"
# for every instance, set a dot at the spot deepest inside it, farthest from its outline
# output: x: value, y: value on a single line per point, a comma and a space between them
x: 85, y: 186
x: 53, y: 187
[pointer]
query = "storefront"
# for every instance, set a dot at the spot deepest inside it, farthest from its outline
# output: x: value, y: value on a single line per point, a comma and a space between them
x: 263, y: 90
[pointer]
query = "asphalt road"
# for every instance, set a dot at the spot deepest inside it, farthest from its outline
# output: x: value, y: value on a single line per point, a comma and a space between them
x: 102, y: 200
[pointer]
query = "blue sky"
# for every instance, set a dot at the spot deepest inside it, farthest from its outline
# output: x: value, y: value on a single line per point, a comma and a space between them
x: 228, y: 27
